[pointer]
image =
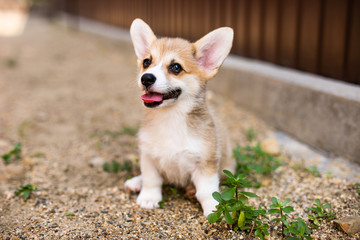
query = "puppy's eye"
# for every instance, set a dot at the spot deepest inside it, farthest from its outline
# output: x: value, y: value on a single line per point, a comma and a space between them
x: 146, y: 62
x: 175, y: 68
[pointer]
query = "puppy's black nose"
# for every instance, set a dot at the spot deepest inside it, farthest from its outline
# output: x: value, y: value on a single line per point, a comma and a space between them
x: 148, y: 79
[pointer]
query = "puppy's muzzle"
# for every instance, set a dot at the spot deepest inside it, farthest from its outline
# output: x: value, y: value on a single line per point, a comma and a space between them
x: 148, y: 80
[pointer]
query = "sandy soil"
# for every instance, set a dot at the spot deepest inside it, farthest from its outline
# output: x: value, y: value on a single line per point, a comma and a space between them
x: 69, y: 98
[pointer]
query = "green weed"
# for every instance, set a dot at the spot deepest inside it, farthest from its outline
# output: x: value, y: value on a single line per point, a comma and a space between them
x: 253, y: 161
x: 113, y: 134
x: 13, y: 155
x: 294, y: 230
x: 131, y: 131
x: 250, y: 134
x: 11, y: 62
x: 115, y: 167
x: 233, y: 207
x: 166, y: 197
x: 162, y: 202
x: 233, y: 204
x: 313, y: 170
x: 320, y: 212
x: 69, y: 214
x: 26, y: 190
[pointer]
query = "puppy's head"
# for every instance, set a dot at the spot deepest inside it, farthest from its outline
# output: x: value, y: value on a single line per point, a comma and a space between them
x: 172, y: 68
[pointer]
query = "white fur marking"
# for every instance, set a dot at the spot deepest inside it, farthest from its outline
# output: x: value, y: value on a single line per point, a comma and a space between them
x: 161, y: 84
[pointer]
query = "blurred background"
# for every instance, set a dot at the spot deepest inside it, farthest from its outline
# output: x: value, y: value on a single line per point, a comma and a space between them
x: 316, y: 36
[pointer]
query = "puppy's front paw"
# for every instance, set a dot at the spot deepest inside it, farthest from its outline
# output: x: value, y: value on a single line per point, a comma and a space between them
x: 149, y: 199
x: 208, y: 206
x: 134, y: 184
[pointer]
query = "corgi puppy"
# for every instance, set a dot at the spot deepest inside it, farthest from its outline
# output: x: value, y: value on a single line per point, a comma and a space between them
x: 180, y: 140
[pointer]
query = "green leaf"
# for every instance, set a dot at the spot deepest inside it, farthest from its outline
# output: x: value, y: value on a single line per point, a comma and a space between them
x: 258, y: 168
x: 259, y: 234
x: 213, y: 217
x: 173, y: 190
x: 236, y: 206
x: 26, y: 194
x: 288, y: 209
x: 217, y: 197
x: 243, y: 199
x: 228, y: 218
x: 228, y: 173
x: 273, y: 211
x: 69, y: 214
x: 6, y: 158
x: 317, y: 201
x: 286, y: 201
x: 26, y: 190
x: 228, y: 194
x: 328, y: 205
x: 13, y: 155
x: 293, y: 230
x: 275, y: 200
x: 273, y: 206
x: 250, y: 194
x: 161, y: 204
x: 241, y: 220
x: 316, y: 221
x: 284, y: 221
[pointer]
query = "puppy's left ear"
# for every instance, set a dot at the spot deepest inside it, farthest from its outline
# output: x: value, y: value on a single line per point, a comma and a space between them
x: 212, y: 49
x: 142, y: 36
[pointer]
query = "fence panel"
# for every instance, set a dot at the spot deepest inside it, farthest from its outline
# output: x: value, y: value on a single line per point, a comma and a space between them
x: 317, y: 36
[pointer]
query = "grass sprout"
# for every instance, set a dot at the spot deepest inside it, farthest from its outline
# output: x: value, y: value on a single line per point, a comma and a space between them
x: 26, y: 190
x: 13, y: 155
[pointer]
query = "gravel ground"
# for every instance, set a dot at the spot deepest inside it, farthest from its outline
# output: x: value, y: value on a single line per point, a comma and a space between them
x: 70, y: 98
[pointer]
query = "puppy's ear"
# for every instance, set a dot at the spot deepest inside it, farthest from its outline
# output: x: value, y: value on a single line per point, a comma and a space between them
x: 142, y: 36
x: 212, y: 49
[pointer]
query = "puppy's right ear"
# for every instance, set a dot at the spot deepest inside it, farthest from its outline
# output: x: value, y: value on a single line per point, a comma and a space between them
x: 142, y: 36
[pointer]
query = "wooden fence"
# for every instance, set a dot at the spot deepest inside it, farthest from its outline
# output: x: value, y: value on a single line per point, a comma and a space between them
x: 317, y: 36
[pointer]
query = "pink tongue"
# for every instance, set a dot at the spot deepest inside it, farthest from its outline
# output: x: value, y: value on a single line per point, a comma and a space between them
x: 152, y: 97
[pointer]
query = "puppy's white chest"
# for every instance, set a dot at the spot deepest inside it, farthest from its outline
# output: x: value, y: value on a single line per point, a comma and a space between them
x: 173, y: 150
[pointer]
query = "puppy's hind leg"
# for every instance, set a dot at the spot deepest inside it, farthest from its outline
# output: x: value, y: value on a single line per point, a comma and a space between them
x: 134, y: 184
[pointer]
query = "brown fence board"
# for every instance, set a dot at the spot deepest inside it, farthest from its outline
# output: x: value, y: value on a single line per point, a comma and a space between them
x: 309, y: 40
x: 288, y: 32
x: 255, y: 28
x: 271, y: 30
x: 240, y: 21
x: 333, y: 40
x: 318, y: 36
x: 352, y: 64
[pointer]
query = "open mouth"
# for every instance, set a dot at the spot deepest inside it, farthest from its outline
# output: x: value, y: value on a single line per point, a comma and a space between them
x: 154, y: 99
